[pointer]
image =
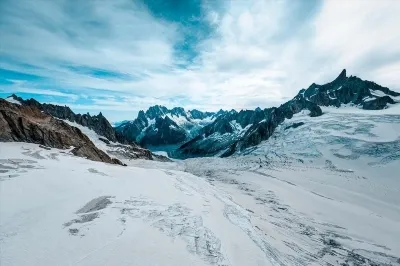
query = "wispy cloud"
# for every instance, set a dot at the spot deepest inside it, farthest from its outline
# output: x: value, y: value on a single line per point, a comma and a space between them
x: 124, y: 55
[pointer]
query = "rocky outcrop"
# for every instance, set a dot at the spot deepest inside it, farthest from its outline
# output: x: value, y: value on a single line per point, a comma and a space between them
x: 163, y: 132
x: 349, y: 90
x: 97, y: 123
x: 24, y: 123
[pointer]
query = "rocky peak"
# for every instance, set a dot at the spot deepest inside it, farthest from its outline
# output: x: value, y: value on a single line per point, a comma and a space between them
x: 178, y: 111
x: 98, y: 123
x: 345, y: 90
x: 196, y: 114
x: 342, y: 77
x: 29, y: 124
x: 156, y: 111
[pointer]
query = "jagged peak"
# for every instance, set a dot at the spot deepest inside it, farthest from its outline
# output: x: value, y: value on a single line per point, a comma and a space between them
x: 342, y: 75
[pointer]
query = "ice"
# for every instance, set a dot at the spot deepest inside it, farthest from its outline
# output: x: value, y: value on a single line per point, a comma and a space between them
x: 324, y: 193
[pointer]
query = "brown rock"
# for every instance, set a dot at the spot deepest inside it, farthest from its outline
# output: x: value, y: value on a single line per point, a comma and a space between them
x: 29, y: 124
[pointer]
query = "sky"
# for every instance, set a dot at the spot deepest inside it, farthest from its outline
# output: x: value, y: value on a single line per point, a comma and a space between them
x: 122, y: 56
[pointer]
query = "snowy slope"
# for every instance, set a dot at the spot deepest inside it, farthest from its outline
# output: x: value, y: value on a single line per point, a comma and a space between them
x: 12, y: 100
x: 322, y: 193
x: 62, y: 210
x: 124, y: 153
x: 328, y: 190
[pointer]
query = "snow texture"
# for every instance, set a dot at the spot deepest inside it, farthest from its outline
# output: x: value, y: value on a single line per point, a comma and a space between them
x: 324, y: 193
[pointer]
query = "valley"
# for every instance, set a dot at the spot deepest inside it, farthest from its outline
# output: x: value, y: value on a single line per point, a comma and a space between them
x: 311, y: 182
x: 331, y: 199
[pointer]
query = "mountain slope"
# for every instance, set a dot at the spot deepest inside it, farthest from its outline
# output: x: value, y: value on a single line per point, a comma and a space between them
x: 28, y: 124
x: 97, y: 128
x: 98, y: 122
x: 234, y: 132
x: 162, y: 126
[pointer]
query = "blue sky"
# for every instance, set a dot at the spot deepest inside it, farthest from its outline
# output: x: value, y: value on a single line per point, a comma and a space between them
x: 122, y: 56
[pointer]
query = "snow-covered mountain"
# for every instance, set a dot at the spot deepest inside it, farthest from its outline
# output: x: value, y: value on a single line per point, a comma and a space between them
x: 236, y: 131
x: 55, y: 126
x: 162, y: 126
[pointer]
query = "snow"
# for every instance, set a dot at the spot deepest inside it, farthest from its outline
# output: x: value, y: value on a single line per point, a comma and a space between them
x: 392, y: 109
x: 93, y: 136
x: 179, y: 221
x: 377, y: 93
x: 12, y: 100
x: 368, y: 99
x: 332, y: 98
x: 325, y: 193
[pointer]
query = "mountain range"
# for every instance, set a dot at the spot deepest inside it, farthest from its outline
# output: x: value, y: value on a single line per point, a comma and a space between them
x: 195, y: 133
x: 162, y: 126
x: 321, y: 190
x: 54, y: 126
x: 224, y: 133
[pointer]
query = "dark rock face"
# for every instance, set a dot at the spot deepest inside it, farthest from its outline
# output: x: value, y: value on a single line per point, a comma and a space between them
x: 295, y: 125
x: 345, y: 90
x: 164, y: 131
x: 378, y: 103
x: 160, y: 126
x: 233, y: 132
x: 29, y: 124
x: 100, y: 125
x: 97, y: 123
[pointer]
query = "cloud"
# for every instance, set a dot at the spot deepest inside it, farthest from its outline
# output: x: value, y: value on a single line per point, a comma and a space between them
x: 196, y: 54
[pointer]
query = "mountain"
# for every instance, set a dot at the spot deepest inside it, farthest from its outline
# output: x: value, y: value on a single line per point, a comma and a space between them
x: 162, y: 126
x: 100, y: 132
x: 28, y: 124
x: 116, y: 124
x: 349, y: 90
x: 235, y: 131
x: 98, y: 123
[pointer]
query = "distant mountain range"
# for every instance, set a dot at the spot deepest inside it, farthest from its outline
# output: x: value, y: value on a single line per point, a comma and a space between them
x: 162, y: 126
x: 234, y: 132
x: 195, y: 133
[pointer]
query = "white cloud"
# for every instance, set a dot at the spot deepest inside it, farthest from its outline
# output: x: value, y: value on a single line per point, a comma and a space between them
x: 263, y: 51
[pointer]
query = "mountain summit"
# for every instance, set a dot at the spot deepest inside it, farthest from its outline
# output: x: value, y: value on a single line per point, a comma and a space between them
x: 162, y: 126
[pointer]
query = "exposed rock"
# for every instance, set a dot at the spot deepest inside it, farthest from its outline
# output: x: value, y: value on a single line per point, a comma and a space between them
x: 164, y: 131
x: 97, y: 123
x: 295, y: 125
x: 45, y: 147
x: 345, y: 90
x: 161, y: 126
x: 29, y: 124
x: 106, y: 141
x: 378, y: 103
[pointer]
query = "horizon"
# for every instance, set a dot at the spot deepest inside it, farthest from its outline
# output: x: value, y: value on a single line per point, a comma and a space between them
x: 125, y: 56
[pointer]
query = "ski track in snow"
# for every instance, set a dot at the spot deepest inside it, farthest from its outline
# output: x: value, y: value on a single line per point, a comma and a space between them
x: 324, y: 193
